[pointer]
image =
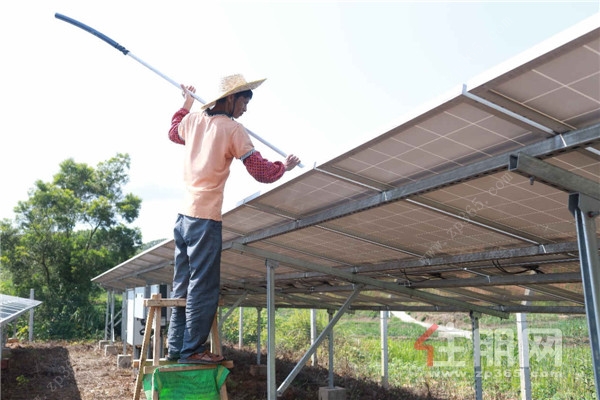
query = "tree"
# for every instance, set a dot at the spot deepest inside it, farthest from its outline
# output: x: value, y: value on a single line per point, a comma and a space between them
x: 70, y: 230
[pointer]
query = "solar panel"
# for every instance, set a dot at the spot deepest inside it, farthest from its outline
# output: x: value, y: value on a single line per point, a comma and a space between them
x: 430, y: 204
x: 12, y: 307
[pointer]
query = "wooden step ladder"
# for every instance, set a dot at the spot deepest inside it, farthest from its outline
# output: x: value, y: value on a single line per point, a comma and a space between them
x: 147, y: 366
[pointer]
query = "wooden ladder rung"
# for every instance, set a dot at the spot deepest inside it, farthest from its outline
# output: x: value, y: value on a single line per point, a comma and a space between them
x: 164, y: 302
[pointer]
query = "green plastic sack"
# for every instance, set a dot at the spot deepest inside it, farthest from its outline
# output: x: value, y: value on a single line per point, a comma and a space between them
x: 201, y: 384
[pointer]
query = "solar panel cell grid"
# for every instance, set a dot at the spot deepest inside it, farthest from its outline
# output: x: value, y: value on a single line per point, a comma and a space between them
x: 470, y: 222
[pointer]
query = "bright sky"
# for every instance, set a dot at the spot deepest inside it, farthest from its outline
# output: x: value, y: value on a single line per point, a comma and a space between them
x: 337, y: 73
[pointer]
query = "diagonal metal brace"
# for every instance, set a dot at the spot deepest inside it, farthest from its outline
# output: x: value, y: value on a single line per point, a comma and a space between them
x: 232, y: 309
x: 285, y: 384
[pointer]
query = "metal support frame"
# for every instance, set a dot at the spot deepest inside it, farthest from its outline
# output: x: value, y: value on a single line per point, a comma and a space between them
x: 231, y: 310
x: 584, y: 204
x: 31, y: 297
x: 271, y: 356
x: 330, y: 367
x: 383, y: 320
x: 313, y: 334
x: 107, y: 315
x: 585, y: 209
x: 440, y: 264
x: 363, y: 280
x: 477, y: 355
x: 241, y: 328
x: 531, y: 167
x: 124, y: 317
x: 112, y: 317
x: 545, y: 147
x: 328, y: 330
x: 523, y: 340
x: 513, y: 115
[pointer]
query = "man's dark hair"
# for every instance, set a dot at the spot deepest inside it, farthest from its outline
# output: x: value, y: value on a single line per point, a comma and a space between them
x: 246, y: 93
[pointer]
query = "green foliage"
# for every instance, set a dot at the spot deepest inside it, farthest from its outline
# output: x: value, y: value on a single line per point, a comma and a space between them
x: 294, y: 323
x: 22, y: 380
x: 249, y: 326
x: 68, y: 231
x: 358, y: 353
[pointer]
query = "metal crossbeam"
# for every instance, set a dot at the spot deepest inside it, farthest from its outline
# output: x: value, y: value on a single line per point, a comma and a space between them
x: 543, y: 148
x: 552, y: 175
x: 354, y: 278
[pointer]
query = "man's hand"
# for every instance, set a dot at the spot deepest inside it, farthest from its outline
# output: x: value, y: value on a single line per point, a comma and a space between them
x: 189, y: 99
x: 290, y: 162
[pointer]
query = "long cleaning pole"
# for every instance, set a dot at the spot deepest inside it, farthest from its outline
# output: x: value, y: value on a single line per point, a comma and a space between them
x: 151, y: 68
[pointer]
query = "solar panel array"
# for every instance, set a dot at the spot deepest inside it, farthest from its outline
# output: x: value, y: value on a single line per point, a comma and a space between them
x: 12, y: 307
x: 427, y: 216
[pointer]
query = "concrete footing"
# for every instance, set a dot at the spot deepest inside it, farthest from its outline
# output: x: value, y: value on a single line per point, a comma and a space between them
x: 336, y: 393
x: 110, y: 350
x: 6, y: 354
x: 123, y: 361
x: 102, y: 343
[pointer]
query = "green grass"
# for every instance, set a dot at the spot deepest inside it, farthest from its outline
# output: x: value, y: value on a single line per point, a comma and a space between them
x: 558, y: 371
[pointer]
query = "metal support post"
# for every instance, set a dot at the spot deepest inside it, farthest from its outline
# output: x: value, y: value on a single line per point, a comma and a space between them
x: 107, y: 315
x: 112, y: 317
x: 585, y: 209
x: 124, y: 317
x: 330, y: 369
x: 32, y: 297
x: 258, y: 331
x: 328, y: 330
x: 584, y: 204
x: 313, y: 334
x: 383, y: 319
x: 477, y: 355
x: 523, y: 339
x: 271, y: 359
x: 241, y: 329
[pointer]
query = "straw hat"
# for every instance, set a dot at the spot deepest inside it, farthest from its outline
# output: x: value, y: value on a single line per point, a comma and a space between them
x: 233, y: 84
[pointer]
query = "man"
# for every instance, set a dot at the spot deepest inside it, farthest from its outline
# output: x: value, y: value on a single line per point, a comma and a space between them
x: 212, y: 139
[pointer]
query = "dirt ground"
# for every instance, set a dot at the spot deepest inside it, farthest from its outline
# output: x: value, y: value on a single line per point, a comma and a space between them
x: 80, y: 371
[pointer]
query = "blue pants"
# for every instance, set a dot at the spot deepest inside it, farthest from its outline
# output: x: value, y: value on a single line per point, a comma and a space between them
x: 196, y: 278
